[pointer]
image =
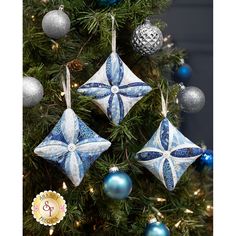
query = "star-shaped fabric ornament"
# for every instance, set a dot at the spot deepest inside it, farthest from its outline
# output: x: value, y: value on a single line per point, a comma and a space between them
x: 168, y: 154
x: 115, y: 88
x: 72, y: 146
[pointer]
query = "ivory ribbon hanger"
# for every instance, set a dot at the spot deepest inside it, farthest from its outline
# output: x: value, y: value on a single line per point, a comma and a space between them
x: 66, y: 88
x: 113, y: 29
x: 164, y: 104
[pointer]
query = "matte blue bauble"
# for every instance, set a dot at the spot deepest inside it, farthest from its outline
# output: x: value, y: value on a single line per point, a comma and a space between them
x: 107, y: 3
x: 117, y: 184
x: 183, y: 73
x: 207, y: 158
x: 156, y: 229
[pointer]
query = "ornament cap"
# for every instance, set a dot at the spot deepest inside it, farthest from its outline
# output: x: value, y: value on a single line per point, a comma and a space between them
x: 181, y: 61
x: 113, y: 169
x: 152, y: 220
x: 147, y: 22
x: 204, y: 147
x: 181, y: 85
x: 61, y: 7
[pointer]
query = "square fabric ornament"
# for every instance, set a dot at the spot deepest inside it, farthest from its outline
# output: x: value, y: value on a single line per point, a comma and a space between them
x: 72, y: 145
x: 115, y: 88
x: 168, y: 154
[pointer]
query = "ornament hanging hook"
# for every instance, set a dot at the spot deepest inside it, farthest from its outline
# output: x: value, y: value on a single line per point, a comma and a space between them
x: 61, y: 7
x: 66, y: 88
x: 113, y: 29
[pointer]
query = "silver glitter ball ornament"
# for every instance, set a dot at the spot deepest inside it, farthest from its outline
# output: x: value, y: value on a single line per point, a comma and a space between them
x: 147, y: 39
x: 32, y: 91
x: 191, y: 99
x: 56, y: 24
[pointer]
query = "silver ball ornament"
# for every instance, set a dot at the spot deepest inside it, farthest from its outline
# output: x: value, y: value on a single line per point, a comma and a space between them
x: 147, y: 39
x: 191, y: 99
x: 56, y: 24
x: 32, y: 92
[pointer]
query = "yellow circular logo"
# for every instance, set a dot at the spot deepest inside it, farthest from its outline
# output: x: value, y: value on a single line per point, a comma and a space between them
x: 48, y: 208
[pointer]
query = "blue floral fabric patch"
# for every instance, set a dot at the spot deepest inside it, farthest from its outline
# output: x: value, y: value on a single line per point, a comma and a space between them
x: 115, y: 88
x: 72, y: 146
x: 168, y: 154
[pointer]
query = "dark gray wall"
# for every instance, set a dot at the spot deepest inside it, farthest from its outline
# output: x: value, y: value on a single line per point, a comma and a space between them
x: 190, y: 23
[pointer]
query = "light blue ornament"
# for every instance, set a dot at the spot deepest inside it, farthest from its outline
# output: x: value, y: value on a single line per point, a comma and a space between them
x: 155, y: 228
x: 72, y: 146
x: 117, y: 184
x: 115, y: 88
x: 168, y: 154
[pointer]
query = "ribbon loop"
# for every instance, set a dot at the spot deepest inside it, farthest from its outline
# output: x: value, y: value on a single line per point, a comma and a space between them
x: 164, y: 104
x: 66, y: 88
x: 113, y: 29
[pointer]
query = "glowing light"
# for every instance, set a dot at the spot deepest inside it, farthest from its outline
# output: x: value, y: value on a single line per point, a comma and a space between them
x: 159, y: 199
x: 62, y: 94
x: 64, y: 186
x: 170, y: 45
x: 197, y: 192
x: 51, y: 230
x: 159, y: 214
x: 188, y: 211
x: 167, y: 38
x: 178, y: 224
x: 91, y: 190
x: 209, y: 207
x: 77, y: 223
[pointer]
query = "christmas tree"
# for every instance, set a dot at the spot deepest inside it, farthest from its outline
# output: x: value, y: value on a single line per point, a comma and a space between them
x: 73, y: 54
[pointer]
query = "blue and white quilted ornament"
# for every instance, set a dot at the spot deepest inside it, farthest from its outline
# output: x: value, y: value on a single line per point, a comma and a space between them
x: 72, y: 145
x: 115, y: 88
x: 168, y: 154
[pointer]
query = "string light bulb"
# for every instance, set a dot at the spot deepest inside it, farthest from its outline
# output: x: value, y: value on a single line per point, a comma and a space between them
x: 178, y: 224
x: 197, y: 192
x: 158, y: 212
x: 209, y: 207
x: 91, y: 190
x: 159, y: 199
x: 62, y: 94
x: 209, y: 210
x: 187, y: 211
x: 77, y: 223
x: 167, y: 38
x: 161, y: 215
x: 75, y: 85
x: 51, y: 230
x: 64, y: 186
x: 170, y: 45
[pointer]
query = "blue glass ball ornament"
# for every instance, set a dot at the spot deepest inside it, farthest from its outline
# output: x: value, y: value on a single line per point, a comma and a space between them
x: 155, y: 228
x: 183, y: 73
x: 117, y: 184
x: 207, y: 158
x: 107, y: 3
